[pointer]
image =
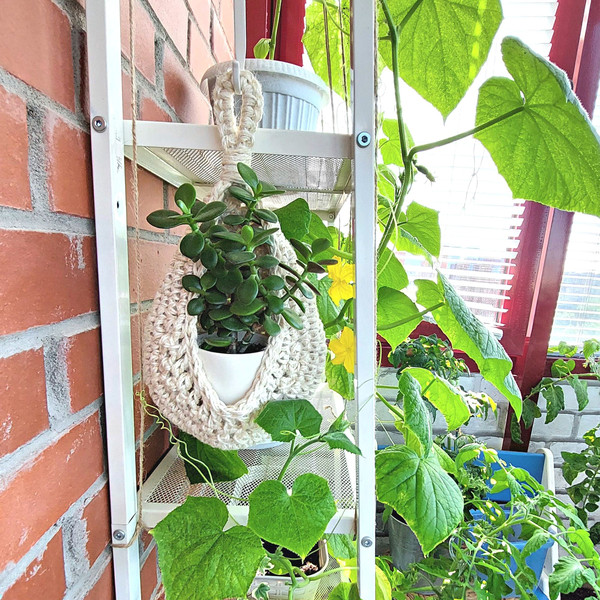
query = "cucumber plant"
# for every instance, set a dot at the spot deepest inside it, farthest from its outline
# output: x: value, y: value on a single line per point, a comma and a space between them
x: 243, y: 289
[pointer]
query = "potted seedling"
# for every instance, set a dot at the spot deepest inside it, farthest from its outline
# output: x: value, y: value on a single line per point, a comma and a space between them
x: 242, y: 295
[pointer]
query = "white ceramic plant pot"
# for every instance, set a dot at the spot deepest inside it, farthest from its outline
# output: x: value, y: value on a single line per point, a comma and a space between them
x: 231, y: 375
x: 293, y: 96
x: 279, y: 585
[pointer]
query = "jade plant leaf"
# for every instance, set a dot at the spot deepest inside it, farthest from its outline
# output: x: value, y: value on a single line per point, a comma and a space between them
x: 390, y: 271
x: 186, y: 194
x: 198, y: 559
x: 281, y: 419
x: 467, y: 333
x: 296, y: 521
x: 443, y: 395
x: 421, y: 492
x: 294, y: 219
x: 394, y: 307
x: 442, y: 46
x: 221, y: 465
x: 416, y: 415
x: 548, y: 151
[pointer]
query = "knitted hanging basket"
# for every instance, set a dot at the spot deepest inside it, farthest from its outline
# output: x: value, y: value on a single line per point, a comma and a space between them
x: 293, y: 361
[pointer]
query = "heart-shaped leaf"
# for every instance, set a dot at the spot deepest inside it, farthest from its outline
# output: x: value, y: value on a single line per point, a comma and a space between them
x: 548, y: 151
x: 394, y: 312
x: 201, y: 561
x: 443, y: 44
x: 421, y: 492
x: 294, y: 219
x: 281, y: 419
x: 296, y: 521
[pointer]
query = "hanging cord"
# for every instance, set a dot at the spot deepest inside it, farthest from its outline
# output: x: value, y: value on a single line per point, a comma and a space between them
x: 342, y: 41
x: 328, y: 54
x: 138, y: 274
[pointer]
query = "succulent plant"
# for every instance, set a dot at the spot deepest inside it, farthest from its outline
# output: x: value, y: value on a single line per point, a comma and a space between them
x: 239, y: 296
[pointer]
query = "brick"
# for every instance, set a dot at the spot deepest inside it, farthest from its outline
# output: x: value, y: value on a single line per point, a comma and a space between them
x: 585, y: 423
x: 45, y: 60
x: 150, y: 111
x: 183, y: 94
x: 200, y: 57
x: 173, y: 14
x: 96, y: 515
x: 14, y: 185
x: 104, y: 589
x: 149, y: 575
x: 155, y: 447
x: 222, y: 51
x: 144, y: 39
x: 69, y: 168
x: 84, y: 368
x: 135, y: 339
x: 155, y: 259
x: 201, y: 10
x: 23, y: 412
x: 126, y: 87
x: 560, y: 428
x: 47, y: 277
x: 40, y: 493
x: 150, y: 190
x: 226, y: 17
x: 44, y: 577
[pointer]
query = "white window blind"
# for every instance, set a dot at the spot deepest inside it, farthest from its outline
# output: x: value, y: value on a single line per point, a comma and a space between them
x: 577, y: 316
x: 480, y: 220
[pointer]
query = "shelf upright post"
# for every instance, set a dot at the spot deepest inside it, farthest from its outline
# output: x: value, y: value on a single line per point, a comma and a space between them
x: 364, y: 222
x: 106, y: 124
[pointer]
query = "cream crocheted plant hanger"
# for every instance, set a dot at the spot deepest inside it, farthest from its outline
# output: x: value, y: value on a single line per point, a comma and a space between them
x: 293, y: 362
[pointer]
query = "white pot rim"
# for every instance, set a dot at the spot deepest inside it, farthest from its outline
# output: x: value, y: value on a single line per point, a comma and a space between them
x: 262, y: 65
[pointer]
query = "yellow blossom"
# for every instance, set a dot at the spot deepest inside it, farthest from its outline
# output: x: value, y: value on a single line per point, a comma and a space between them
x: 344, y: 349
x: 342, y: 276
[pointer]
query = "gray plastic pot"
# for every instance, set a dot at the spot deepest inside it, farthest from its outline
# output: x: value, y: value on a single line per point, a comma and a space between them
x: 293, y: 96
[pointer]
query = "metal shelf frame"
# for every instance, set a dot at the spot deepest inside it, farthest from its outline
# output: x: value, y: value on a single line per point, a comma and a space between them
x: 110, y: 136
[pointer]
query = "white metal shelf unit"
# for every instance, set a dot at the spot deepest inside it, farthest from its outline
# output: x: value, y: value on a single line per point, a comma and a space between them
x: 315, y: 166
x: 159, y: 153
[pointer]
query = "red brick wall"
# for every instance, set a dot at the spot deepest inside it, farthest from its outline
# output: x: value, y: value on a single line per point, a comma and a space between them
x: 53, y: 476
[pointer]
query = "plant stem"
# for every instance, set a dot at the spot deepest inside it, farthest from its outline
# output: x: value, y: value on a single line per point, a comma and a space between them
x: 288, y: 460
x: 460, y: 136
x: 390, y: 406
x: 341, y: 314
x: 411, y: 318
x: 273, y: 41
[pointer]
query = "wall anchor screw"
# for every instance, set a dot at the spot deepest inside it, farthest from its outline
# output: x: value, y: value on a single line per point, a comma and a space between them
x: 366, y: 542
x: 99, y: 124
x: 119, y: 535
x: 363, y: 139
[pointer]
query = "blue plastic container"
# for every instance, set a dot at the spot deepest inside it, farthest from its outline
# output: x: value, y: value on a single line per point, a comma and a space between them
x: 532, y: 463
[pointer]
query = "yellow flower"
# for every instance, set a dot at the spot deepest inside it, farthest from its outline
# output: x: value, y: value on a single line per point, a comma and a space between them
x: 342, y: 275
x: 344, y: 349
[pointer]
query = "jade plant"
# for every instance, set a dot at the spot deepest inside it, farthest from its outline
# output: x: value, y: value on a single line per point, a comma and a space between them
x: 239, y: 295
x: 203, y: 559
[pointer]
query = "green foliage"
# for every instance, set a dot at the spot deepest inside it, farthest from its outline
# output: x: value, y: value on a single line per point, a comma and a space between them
x: 391, y: 304
x: 442, y: 45
x: 416, y: 415
x: 569, y: 574
x: 296, y: 521
x: 203, y: 462
x: 547, y: 151
x: 339, y: 380
x: 239, y: 298
x: 281, y: 420
x: 421, y: 492
x: 200, y: 560
x: 344, y: 591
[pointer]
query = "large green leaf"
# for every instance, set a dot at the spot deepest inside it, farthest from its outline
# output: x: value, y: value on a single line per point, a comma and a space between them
x: 200, y: 561
x: 317, y: 44
x: 393, y: 307
x: 549, y: 151
x: 209, y: 462
x: 281, y: 419
x: 390, y: 271
x: 344, y: 591
x: 467, y: 333
x: 294, y: 219
x: 339, y: 380
x: 443, y: 45
x: 421, y: 492
x: 416, y: 414
x: 555, y: 401
x: 443, y: 395
x: 296, y: 521
x: 569, y: 575
x: 389, y: 143
x: 419, y: 231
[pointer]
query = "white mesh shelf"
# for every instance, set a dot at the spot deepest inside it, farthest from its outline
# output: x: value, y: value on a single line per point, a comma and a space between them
x: 315, y: 166
x: 168, y: 486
